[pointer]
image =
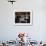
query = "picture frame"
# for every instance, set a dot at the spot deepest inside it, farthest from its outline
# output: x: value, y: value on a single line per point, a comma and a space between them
x: 23, y: 18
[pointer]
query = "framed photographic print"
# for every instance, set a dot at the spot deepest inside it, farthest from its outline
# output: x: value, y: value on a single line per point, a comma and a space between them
x: 23, y: 17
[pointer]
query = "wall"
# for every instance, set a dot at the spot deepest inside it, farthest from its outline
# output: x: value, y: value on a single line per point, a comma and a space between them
x: 9, y: 31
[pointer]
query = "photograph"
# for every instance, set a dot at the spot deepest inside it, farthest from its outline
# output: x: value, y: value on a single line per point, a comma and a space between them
x: 23, y: 18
